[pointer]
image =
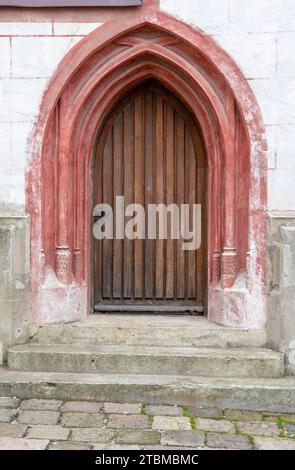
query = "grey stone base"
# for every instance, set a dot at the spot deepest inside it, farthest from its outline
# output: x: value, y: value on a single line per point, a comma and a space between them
x: 14, y: 282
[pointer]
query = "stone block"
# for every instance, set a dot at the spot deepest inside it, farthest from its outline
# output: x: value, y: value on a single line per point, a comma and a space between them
x: 217, y: 425
x: 12, y: 430
x: 290, y: 429
x: 82, y: 420
x: 14, y: 281
x: 285, y: 146
x: 56, y: 433
x: 38, y: 417
x: 24, y: 28
x: 20, y: 99
x: 137, y: 436
x: 11, y: 443
x: 74, y: 29
x: 176, y: 423
x: 268, y: 443
x: 211, y: 17
x: 281, y: 301
x: 127, y: 421
x: 116, y: 447
x: 40, y: 405
x: 242, y: 415
x: 7, y: 415
x: 92, y: 435
x: 7, y: 402
x: 290, y: 417
x: 122, y: 408
x: 227, y: 441
x: 278, y: 180
x: 5, y: 58
x: 38, y: 57
x: 164, y: 410
x: 264, y: 17
x: 263, y: 429
x: 81, y: 407
x: 183, y: 438
x: 204, y: 412
x: 286, y: 61
x: 65, y: 445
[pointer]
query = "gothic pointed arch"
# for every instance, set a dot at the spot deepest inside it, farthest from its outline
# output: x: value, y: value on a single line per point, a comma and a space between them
x: 100, y: 69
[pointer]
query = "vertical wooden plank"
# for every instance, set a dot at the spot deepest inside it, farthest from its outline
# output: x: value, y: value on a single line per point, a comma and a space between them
x: 97, y: 263
x: 107, y: 245
x: 159, y: 175
x: 128, y: 193
x: 117, y: 191
x: 180, y: 198
x: 138, y: 194
x: 149, y: 244
x: 169, y: 150
x: 191, y: 199
x: 201, y: 252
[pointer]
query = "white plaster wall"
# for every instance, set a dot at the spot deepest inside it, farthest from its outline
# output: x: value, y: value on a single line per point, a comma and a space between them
x: 29, y: 53
x: 258, y: 34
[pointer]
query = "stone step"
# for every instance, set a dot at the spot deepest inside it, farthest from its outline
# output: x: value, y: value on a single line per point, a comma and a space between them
x: 150, y: 330
x: 124, y: 359
x: 273, y: 395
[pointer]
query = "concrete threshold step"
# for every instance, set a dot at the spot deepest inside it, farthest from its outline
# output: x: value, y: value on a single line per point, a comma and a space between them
x: 274, y: 395
x: 150, y: 330
x: 122, y: 359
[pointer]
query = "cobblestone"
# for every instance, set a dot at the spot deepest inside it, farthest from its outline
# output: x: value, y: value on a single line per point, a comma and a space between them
x: 82, y: 407
x: 82, y: 420
x: 263, y: 429
x: 122, y: 408
x: 41, y: 405
x: 7, y: 415
x: 183, y: 438
x: 49, y: 432
x: 127, y: 421
x: 163, y: 410
x: 204, y: 412
x: 290, y: 428
x: 241, y: 415
x: 267, y: 443
x: 81, y: 425
x: 227, y: 441
x: 215, y: 425
x: 12, y: 430
x: 6, y: 402
x: 137, y: 436
x: 171, y: 423
x: 38, y: 417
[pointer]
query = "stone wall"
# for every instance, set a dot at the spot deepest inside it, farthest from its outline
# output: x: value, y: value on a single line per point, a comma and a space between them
x: 14, y: 282
x: 281, y: 285
x: 258, y: 34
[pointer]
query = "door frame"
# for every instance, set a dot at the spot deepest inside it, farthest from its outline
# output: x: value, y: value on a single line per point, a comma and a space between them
x: 125, y: 51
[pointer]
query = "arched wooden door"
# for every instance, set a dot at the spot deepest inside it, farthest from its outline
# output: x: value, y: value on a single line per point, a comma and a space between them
x: 150, y: 151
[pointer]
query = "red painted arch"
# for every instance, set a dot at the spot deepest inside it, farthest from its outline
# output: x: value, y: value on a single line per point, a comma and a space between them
x: 91, y: 78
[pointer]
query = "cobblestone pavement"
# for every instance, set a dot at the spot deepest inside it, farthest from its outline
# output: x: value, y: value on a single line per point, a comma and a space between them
x: 51, y: 424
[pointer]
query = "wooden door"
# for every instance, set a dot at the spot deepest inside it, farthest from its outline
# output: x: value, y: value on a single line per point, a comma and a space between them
x: 150, y: 151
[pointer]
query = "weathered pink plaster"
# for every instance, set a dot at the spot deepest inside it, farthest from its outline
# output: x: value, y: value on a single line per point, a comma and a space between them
x: 90, y: 79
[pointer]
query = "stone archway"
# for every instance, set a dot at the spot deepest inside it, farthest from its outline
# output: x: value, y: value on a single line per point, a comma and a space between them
x: 112, y: 60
